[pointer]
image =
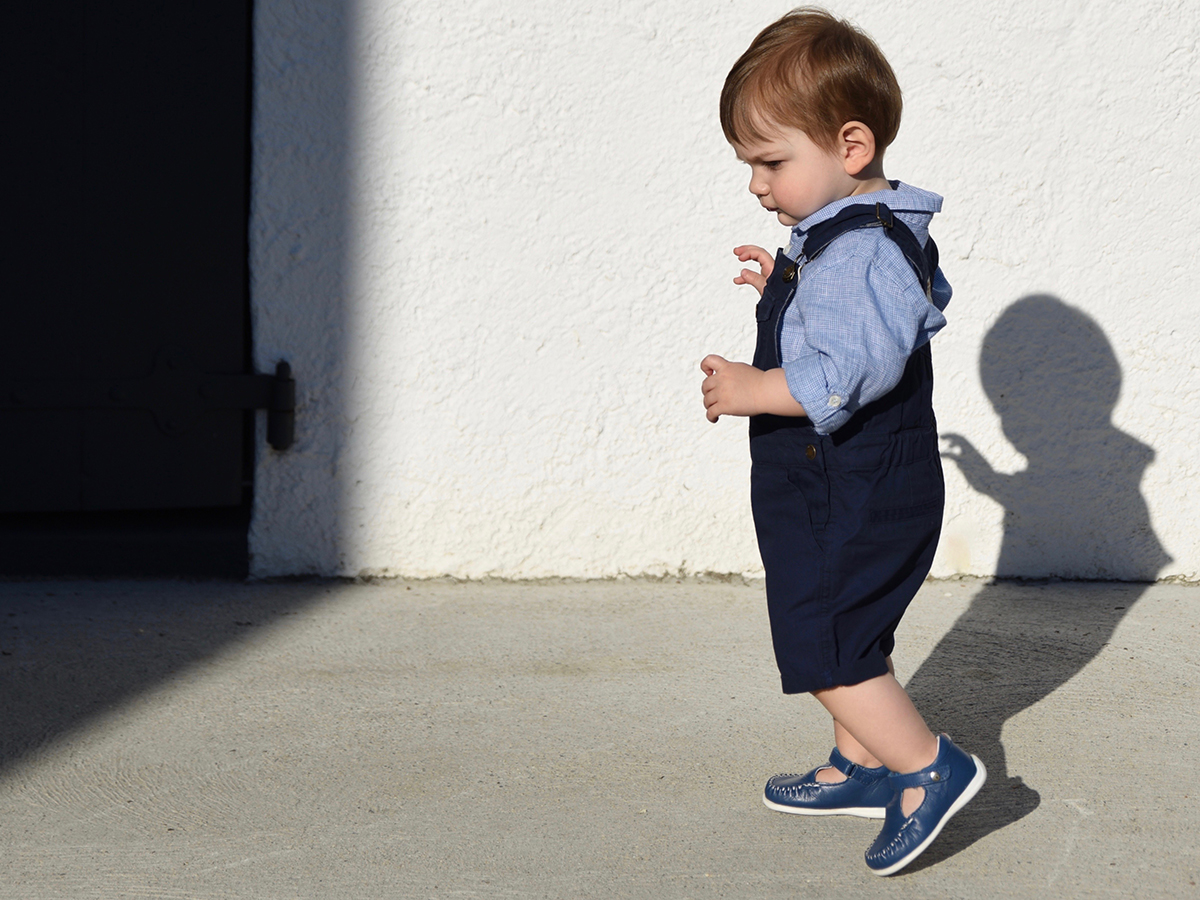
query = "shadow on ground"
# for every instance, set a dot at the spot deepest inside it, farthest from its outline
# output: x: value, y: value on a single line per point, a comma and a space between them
x: 1075, y: 512
x: 71, y: 651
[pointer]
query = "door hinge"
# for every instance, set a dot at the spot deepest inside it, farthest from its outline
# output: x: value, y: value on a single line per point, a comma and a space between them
x: 176, y: 392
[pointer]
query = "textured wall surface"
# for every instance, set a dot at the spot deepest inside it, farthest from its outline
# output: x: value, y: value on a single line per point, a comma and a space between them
x: 494, y: 242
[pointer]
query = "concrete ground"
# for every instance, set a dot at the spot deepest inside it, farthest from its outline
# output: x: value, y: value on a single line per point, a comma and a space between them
x: 438, y: 740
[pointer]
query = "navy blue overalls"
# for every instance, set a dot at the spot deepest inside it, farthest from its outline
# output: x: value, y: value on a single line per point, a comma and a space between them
x: 848, y: 522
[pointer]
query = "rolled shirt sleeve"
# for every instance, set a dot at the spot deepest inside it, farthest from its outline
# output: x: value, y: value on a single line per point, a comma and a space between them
x: 859, y: 314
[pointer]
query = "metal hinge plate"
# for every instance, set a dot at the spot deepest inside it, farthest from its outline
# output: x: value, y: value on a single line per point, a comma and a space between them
x: 176, y: 392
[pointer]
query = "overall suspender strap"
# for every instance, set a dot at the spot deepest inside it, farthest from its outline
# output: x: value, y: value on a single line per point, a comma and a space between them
x: 779, y: 293
x: 923, y: 260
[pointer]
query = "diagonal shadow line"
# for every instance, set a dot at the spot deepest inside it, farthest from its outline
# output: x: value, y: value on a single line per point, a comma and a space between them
x: 71, y: 652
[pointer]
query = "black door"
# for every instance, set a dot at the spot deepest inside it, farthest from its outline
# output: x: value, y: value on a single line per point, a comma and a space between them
x: 126, y: 280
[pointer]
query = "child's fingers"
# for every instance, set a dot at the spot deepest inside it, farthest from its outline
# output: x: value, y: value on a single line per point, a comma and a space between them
x: 752, y: 278
x: 766, y: 262
x: 748, y: 252
x: 752, y: 251
x: 710, y: 406
x: 708, y: 387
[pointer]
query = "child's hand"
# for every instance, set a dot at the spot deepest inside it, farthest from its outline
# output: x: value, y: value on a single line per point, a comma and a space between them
x: 731, y: 388
x: 765, y: 261
x: 736, y: 389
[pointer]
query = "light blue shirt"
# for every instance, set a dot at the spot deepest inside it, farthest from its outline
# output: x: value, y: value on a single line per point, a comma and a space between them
x: 859, y: 311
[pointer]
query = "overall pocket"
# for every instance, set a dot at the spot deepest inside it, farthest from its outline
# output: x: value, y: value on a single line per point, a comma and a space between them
x: 813, y: 486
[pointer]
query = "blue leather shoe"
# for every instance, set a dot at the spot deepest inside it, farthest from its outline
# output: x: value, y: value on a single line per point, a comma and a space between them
x: 865, y: 792
x: 950, y: 782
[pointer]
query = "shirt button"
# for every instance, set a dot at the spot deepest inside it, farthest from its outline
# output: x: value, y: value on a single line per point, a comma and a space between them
x: 810, y: 451
x: 835, y: 400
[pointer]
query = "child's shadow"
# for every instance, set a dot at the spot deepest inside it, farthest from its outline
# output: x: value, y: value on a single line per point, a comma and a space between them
x: 1074, y: 512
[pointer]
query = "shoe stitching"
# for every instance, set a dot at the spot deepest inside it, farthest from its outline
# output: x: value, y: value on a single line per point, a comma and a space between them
x: 900, y: 832
x: 894, y: 841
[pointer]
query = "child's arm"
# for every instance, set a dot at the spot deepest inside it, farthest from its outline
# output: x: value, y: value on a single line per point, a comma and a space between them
x: 736, y: 389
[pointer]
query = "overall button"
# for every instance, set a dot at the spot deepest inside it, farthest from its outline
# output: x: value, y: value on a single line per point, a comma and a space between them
x: 810, y: 451
x: 789, y: 274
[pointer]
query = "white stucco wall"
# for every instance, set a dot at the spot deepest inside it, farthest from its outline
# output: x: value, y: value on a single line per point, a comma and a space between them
x: 494, y: 242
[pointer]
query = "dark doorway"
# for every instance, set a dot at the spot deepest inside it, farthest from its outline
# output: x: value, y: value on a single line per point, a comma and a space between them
x: 128, y: 145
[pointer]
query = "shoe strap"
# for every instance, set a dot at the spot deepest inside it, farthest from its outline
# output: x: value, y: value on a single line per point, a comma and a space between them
x: 850, y: 769
x: 840, y: 763
x: 931, y: 775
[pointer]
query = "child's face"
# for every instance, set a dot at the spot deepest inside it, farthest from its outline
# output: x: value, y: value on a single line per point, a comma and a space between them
x: 793, y: 177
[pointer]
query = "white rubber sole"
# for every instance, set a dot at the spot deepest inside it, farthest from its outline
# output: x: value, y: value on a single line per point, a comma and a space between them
x: 964, y: 798
x: 863, y: 812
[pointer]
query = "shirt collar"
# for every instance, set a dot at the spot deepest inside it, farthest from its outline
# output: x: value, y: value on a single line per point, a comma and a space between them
x: 901, y: 198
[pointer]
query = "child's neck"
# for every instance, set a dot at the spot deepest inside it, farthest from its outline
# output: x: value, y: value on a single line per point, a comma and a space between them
x: 871, y: 179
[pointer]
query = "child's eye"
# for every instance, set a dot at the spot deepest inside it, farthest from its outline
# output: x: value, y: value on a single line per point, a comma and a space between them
x: 773, y: 163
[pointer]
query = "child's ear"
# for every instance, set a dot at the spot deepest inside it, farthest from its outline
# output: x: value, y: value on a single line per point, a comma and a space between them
x: 856, y: 147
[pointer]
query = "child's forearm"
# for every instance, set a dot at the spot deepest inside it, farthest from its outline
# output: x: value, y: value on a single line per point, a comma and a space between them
x: 775, y: 397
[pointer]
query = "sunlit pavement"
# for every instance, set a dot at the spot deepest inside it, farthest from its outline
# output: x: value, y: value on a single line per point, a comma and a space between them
x: 560, y: 740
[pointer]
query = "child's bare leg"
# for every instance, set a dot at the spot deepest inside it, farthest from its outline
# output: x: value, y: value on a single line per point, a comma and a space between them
x: 879, y: 716
x: 850, y: 748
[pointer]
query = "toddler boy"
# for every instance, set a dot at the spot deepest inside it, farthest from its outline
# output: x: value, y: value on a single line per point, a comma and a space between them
x: 846, y: 480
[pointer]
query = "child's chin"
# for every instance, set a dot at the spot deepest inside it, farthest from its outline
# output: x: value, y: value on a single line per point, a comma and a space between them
x: 785, y: 219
